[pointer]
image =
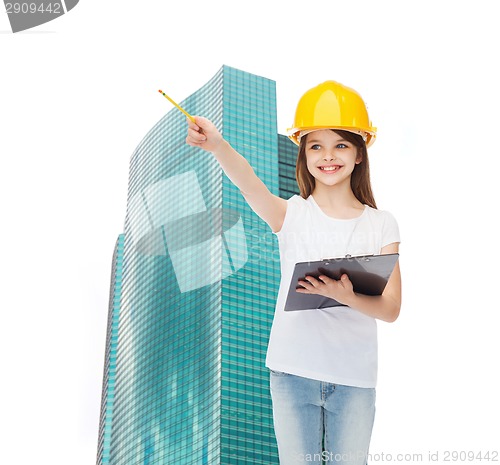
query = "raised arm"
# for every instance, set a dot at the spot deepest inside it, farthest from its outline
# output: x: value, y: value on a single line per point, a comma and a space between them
x: 268, y: 206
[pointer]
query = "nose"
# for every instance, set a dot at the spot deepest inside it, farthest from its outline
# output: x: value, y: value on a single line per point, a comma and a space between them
x: 329, y: 155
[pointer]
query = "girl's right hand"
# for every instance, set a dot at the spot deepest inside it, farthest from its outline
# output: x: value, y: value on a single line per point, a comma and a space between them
x: 203, y: 134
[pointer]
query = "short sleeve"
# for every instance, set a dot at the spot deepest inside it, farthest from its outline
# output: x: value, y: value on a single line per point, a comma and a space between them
x: 291, y: 207
x: 390, y: 230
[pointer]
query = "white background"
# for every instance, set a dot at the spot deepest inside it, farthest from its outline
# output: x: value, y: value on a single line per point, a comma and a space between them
x: 78, y: 94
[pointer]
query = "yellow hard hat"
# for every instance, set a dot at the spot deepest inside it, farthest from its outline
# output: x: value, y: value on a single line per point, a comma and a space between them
x: 331, y: 105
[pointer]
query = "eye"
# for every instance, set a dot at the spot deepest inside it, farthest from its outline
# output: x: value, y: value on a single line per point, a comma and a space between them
x: 341, y: 146
x: 315, y: 147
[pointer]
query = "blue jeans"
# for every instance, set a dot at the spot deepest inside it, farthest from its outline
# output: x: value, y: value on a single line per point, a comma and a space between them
x: 320, y: 422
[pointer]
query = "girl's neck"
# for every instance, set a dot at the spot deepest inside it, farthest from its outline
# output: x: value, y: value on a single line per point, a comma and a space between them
x: 337, y: 202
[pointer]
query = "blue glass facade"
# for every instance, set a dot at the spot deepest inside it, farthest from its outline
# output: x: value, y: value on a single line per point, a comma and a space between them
x: 109, y: 375
x: 199, y: 280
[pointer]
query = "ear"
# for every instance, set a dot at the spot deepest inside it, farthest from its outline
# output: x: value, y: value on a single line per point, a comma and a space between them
x: 359, y: 158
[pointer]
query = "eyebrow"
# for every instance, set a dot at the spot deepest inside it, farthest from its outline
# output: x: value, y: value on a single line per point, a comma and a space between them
x: 316, y: 141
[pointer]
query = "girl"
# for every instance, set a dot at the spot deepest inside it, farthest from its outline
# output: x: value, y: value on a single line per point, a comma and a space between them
x: 323, y: 362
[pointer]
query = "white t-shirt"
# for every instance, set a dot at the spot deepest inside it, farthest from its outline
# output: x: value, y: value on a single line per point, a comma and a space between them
x: 336, y: 344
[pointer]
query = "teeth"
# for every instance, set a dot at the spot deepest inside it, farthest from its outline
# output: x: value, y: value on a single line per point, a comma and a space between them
x: 329, y: 168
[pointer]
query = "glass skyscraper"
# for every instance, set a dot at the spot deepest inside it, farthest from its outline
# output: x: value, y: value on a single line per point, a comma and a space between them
x: 194, y: 281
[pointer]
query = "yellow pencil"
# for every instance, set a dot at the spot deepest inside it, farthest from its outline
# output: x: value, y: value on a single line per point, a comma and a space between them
x: 177, y: 105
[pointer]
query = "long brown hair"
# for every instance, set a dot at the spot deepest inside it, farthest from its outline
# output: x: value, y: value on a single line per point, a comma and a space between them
x: 360, y: 177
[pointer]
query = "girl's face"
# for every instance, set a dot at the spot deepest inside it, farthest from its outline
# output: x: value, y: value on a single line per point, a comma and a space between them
x: 330, y: 158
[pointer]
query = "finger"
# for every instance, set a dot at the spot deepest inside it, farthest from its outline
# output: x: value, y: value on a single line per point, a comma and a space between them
x: 191, y: 124
x: 305, y: 284
x: 196, y: 136
x: 305, y: 289
x: 325, y: 278
x: 195, y: 131
x: 345, y: 282
x: 302, y: 290
x: 195, y: 141
x: 195, y: 125
x: 192, y: 143
x: 314, y: 282
x: 202, y: 123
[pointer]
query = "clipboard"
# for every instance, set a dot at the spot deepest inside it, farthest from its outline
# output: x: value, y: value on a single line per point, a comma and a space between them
x: 369, y: 275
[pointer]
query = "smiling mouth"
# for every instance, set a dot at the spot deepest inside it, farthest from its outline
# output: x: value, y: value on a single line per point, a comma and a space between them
x: 330, y: 169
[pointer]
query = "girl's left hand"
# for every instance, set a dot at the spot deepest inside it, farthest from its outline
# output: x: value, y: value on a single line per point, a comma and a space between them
x: 341, y: 290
